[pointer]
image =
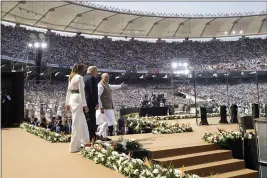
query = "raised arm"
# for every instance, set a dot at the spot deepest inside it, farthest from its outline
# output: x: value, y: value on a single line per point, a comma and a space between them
x: 81, y: 89
x: 114, y: 87
x: 100, y: 91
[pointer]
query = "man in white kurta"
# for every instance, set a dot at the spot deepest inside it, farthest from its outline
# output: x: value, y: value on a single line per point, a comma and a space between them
x: 106, y: 110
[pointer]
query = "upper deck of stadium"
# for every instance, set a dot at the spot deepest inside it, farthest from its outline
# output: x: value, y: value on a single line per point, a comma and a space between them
x: 86, y: 18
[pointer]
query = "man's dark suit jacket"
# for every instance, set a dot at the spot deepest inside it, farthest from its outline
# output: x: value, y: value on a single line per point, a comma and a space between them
x: 91, y: 91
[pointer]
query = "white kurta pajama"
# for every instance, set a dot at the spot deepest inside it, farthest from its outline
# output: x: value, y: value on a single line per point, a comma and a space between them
x: 109, y: 115
x: 76, y: 101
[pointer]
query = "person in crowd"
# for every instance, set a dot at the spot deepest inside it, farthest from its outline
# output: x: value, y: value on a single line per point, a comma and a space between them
x: 59, y: 125
x: 35, y: 122
x: 43, y: 123
x: 76, y: 103
x: 91, y: 96
x: 67, y: 126
x: 52, y: 125
x: 106, y: 111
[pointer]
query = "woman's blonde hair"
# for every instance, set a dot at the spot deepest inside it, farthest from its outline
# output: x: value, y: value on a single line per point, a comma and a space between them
x: 77, y: 69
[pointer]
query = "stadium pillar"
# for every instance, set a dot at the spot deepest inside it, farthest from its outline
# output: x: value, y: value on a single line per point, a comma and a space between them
x: 38, y: 65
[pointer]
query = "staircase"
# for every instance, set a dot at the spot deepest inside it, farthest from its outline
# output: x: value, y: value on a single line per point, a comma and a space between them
x: 206, y: 160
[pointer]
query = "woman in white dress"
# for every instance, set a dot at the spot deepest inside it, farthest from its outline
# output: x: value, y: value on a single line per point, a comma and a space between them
x: 76, y: 103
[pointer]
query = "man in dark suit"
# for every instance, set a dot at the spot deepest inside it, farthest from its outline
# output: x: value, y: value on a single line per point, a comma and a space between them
x: 91, y: 96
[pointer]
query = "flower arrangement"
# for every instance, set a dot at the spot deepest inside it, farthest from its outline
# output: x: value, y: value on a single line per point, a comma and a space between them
x: 121, y: 145
x: 133, y: 168
x: 224, y: 138
x: 171, y: 117
x: 172, y: 128
x: 45, y: 133
x: 143, y: 125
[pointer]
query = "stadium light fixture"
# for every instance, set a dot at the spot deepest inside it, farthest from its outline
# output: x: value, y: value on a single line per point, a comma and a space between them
x: 185, y: 64
x: 30, y: 45
x: 241, y: 32
x: 233, y: 32
x: 36, y: 45
x: 43, y: 45
x: 225, y: 32
x: 174, y: 65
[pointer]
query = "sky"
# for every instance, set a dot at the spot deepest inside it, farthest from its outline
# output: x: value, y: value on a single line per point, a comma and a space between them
x: 190, y: 7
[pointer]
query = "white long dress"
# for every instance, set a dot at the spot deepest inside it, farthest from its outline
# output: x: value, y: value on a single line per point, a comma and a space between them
x: 76, y: 101
x: 109, y: 115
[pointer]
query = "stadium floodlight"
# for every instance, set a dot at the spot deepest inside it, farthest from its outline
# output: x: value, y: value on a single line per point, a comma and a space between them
x: 174, y: 65
x: 30, y: 45
x: 185, y: 64
x: 36, y: 45
x: 43, y: 45
x: 225, y: 32
x: 241, y: 32
x: 180, y: 64
x: 233, y: 32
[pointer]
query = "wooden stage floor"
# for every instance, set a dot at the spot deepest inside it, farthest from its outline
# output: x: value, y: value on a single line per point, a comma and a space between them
x: 27, y: 156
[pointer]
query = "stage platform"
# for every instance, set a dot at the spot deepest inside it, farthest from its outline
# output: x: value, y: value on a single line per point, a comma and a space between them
x: 161, y: 141
x: 27, y: 156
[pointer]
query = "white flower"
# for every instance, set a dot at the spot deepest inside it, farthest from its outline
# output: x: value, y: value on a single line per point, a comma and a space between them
x: 136, y: 172
x: 177, y: 172
x: 155, y: 171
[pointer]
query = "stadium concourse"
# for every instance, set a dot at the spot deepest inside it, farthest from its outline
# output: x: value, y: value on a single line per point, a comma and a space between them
x: 188, y: 73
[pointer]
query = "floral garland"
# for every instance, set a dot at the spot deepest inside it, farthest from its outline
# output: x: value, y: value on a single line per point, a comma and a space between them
x: 133, y: 168
x: 45, y: 133
x: 143, y: 125
x: 224, y: 138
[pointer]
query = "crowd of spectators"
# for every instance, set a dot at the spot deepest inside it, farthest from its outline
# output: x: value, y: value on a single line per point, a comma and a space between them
x: 105, y: 53
x: 55, y: 124
x: 210, y: 95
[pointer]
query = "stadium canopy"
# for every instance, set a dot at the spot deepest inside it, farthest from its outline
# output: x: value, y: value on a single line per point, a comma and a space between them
x: 82, y: 18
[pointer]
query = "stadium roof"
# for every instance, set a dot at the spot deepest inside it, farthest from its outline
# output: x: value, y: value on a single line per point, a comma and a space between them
x: 75, y: 17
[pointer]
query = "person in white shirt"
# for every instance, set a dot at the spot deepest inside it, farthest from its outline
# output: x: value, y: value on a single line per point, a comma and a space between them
x: 106, y: 109
x: 76, y: 103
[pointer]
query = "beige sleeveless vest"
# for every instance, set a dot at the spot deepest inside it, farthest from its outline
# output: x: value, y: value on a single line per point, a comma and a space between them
x: 106, y: 97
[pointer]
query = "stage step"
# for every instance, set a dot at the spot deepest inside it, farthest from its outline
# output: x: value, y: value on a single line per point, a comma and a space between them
x: 156, y: 154
x: 218, y: 167
x: 243, y: 173
x: 195, y: 158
